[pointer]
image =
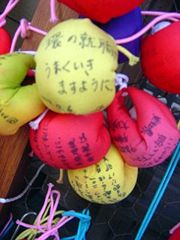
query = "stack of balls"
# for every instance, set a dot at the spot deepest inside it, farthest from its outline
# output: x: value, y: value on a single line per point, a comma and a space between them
x: 88, y: 129
x: 75, y: 76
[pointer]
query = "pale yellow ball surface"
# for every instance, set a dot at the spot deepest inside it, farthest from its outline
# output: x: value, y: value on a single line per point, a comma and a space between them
x: 109, y: 181
x: 76, y: 65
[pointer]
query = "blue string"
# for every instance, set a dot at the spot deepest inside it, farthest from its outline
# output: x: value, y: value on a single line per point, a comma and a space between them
x: 159, y: 193
x: 84, y: 224
x: 11, y: 224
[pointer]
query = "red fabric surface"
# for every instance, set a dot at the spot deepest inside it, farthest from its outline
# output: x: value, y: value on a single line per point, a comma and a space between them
x: 160, y: 58
x: 148, y: 139
x: 5, y: 41
x: 70, y: 142
x: 102, y: 10
x: 175, y: 235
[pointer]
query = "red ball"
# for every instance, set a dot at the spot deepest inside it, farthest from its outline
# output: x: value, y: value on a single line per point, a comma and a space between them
x: 102, y: 10
x: 71, y: 141
x: 145, y: 136
x: 175, y: 235
x: 5, y: 41
x: 160, y: 58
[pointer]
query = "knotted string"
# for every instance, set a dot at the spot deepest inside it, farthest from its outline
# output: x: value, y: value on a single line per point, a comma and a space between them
x: 22, y: 31
x: 12, y: 3
x: 9, y: 7
x: 84, y: 224
x: 25, y: 26
x: 35, y: 123
x: 161, y: 16
x: 121, y: 80
x: 46, y: 224
x: 48, y: 221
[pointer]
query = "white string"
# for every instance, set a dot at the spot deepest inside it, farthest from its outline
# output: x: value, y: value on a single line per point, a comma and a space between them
x: 8, y: 200
x: 35, y: 124
x: 121, y: 80
x: 27, y: 52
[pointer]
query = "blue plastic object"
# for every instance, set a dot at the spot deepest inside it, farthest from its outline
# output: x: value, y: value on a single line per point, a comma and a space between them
x: 159, y: 193
x: 7, y: 230
x: 84, y: 224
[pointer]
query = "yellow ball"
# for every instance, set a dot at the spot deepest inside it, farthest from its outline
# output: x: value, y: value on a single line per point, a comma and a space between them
x: 109, y: 181
x: 18, y: 104
x: 76, y: 65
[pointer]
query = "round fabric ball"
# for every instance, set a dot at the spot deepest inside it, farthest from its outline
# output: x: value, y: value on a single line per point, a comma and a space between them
x: 69, y: 142
x: 160, y: 58
x: 109, y: 181
x: 76, y: 65
x: 5, y: 41
x: 175, y: 235
x: 102, y: 11
x: 122, y: 27
x: 147, y: 136
x: 18, y: 104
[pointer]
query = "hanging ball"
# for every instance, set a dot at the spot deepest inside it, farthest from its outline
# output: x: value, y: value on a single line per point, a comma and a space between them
x: 19, y: 104
x: 160, y: 58
x: 109, y: 181
x: 102, y: 10
x: 69, y: 142
x: 145, y: 136
x: 75, y: 69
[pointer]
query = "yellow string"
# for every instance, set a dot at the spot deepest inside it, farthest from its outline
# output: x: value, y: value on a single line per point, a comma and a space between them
x: 132, y: 58
x: 178, y: 125
x: 61, y: 176
x: 31, y: 234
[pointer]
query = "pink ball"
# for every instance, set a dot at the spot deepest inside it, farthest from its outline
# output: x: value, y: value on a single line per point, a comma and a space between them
x: 147, y: 138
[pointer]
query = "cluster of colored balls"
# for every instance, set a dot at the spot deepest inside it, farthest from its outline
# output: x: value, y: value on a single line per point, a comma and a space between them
x: 75, y: 67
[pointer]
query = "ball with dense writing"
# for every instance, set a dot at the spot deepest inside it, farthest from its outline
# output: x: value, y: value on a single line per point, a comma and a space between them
x: 102, y: 10
x: 18, y: 104
x: 68, y: 141
x: 160, y: 58
x: 146, y: 134
x: 106, y: 182
x: 76, y: 65
x: 5, y: 41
